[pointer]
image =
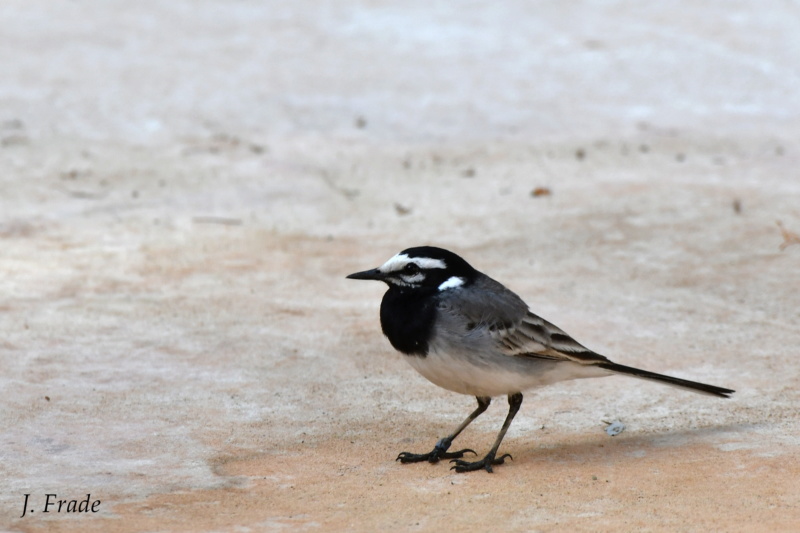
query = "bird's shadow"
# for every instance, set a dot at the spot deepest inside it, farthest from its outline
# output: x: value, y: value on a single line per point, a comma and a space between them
x: 600, y: 447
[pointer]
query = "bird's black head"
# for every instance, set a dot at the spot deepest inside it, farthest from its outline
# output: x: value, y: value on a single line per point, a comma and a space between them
x: 423, y: 267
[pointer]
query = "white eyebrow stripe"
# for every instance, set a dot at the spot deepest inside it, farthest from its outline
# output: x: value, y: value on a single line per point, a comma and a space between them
x: 395, y: 263
x: 400, y: 260
x: 427, y: 262
x: 451, y: 283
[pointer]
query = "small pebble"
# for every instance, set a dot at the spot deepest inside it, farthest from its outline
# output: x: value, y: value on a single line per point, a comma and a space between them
x: 615, y: 428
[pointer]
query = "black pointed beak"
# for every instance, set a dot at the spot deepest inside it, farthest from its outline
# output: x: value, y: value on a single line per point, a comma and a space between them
x: 368, y: 274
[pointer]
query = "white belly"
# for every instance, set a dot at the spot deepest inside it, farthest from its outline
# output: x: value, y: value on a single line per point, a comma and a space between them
x: 479, y: 374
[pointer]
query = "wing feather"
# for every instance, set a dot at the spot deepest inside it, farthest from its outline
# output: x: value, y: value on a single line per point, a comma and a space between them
x: 515, y: 331
x: 556, y: 342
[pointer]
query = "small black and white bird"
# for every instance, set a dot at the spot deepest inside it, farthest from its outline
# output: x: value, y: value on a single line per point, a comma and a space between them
x: 469, y: 334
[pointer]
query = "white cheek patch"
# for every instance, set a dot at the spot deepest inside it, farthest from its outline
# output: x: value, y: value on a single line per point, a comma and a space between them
x: 416, y: 278
x: 451, y: 283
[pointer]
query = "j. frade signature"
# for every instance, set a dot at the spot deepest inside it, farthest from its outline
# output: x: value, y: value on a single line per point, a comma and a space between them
x: 53, y: 505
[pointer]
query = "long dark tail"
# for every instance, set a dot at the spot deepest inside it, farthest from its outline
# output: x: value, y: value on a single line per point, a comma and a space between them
x: 669, y: 380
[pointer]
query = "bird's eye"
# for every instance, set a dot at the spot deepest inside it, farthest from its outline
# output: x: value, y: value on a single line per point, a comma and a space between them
x: 411, y: 268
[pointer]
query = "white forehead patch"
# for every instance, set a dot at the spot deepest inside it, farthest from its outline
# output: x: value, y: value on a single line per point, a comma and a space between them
x: 400, y: 260
x: 451, y: 283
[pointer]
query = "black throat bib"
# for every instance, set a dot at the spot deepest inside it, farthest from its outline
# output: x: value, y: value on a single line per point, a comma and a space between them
x: 407, y: 318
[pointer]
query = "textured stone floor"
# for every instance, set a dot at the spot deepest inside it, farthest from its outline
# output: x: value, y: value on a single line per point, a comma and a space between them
x: 184, y: 186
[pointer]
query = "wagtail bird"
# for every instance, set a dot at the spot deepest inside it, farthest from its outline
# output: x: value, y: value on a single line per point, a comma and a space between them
x: 469, y: 334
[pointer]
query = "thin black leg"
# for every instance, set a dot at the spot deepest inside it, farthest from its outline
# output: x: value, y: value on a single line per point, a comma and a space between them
x: 514, y: 403
x: 440, y: 450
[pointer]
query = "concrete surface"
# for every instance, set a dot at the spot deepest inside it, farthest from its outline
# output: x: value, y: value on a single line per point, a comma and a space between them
x: 185, y: 185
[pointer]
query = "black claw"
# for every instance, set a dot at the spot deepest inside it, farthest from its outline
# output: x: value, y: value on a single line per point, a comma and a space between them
x: 407, y: 457
x: 458, y: 454
x: 432, y: 457
x: 484, y: 464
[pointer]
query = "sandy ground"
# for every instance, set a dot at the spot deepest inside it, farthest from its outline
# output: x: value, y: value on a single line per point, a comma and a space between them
x: 186, y: 184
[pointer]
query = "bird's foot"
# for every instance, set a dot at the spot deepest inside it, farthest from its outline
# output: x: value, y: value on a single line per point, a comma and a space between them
x: 484, y: 464
x: 439, y: 452
x: 432, y: 457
